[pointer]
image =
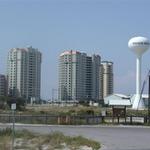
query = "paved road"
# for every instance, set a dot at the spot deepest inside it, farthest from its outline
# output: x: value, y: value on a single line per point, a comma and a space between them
x: 111, y: 137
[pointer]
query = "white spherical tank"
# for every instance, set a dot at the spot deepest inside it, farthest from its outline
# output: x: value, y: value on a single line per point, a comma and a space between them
x: 139, y: 45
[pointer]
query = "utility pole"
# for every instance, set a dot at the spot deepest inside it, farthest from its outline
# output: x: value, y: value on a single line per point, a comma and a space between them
x: 13, y: 108
x: 149, y: 101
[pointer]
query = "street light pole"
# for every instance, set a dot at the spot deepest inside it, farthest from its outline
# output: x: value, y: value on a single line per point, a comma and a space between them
x: 13, y: 129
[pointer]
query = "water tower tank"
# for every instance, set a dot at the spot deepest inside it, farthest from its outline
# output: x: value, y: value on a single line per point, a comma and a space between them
x: 139, y: 45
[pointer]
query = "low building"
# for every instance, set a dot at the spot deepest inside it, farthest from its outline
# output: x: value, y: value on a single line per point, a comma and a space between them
x: 117, y: 100
x: 124, y: 100
x: 119, y: 103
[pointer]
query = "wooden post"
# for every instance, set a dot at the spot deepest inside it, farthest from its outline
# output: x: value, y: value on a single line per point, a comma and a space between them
x: 125, y: 114
x: 58, y: 119
x: 67, y: 120
x: 118, y: 119
x: 130, y: 119
x: 45, y: 118
x: 113, y: 114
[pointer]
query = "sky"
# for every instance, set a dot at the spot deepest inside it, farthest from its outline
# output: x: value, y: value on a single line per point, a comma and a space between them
x: 101, y: 27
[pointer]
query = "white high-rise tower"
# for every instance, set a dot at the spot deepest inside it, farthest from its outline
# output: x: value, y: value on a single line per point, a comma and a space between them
x: 24, y: 73
x: 78, y: 76
x: 138, y: 45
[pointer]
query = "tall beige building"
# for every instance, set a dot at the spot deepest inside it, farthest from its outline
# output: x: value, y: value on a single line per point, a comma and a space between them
x: 106, y: 73
x: 24, y: 73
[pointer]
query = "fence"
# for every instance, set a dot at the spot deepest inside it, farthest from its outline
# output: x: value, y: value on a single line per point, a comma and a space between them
x: 72, y: 120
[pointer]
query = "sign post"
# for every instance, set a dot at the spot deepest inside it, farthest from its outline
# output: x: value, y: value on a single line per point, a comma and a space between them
x: 103, y: 115
x: 13, y: 108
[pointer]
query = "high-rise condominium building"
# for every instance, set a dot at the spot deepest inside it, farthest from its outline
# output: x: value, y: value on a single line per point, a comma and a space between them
x: 3, y: 85
x: 24, y: 73
x: 78, y: 76
x: 107, y: 78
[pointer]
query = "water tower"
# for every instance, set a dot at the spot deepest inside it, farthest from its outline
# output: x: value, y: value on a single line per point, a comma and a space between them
x: 138, y: 45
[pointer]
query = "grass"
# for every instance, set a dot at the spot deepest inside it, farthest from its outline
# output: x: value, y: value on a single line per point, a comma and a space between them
x: 70, y: 110
x: 26, y: 140
x: 57, y: 110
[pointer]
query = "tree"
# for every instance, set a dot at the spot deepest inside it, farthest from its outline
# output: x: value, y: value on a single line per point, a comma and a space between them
x: 6, y: 102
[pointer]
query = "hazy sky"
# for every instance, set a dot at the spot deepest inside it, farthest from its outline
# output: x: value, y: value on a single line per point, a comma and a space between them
x: 92, y: 26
